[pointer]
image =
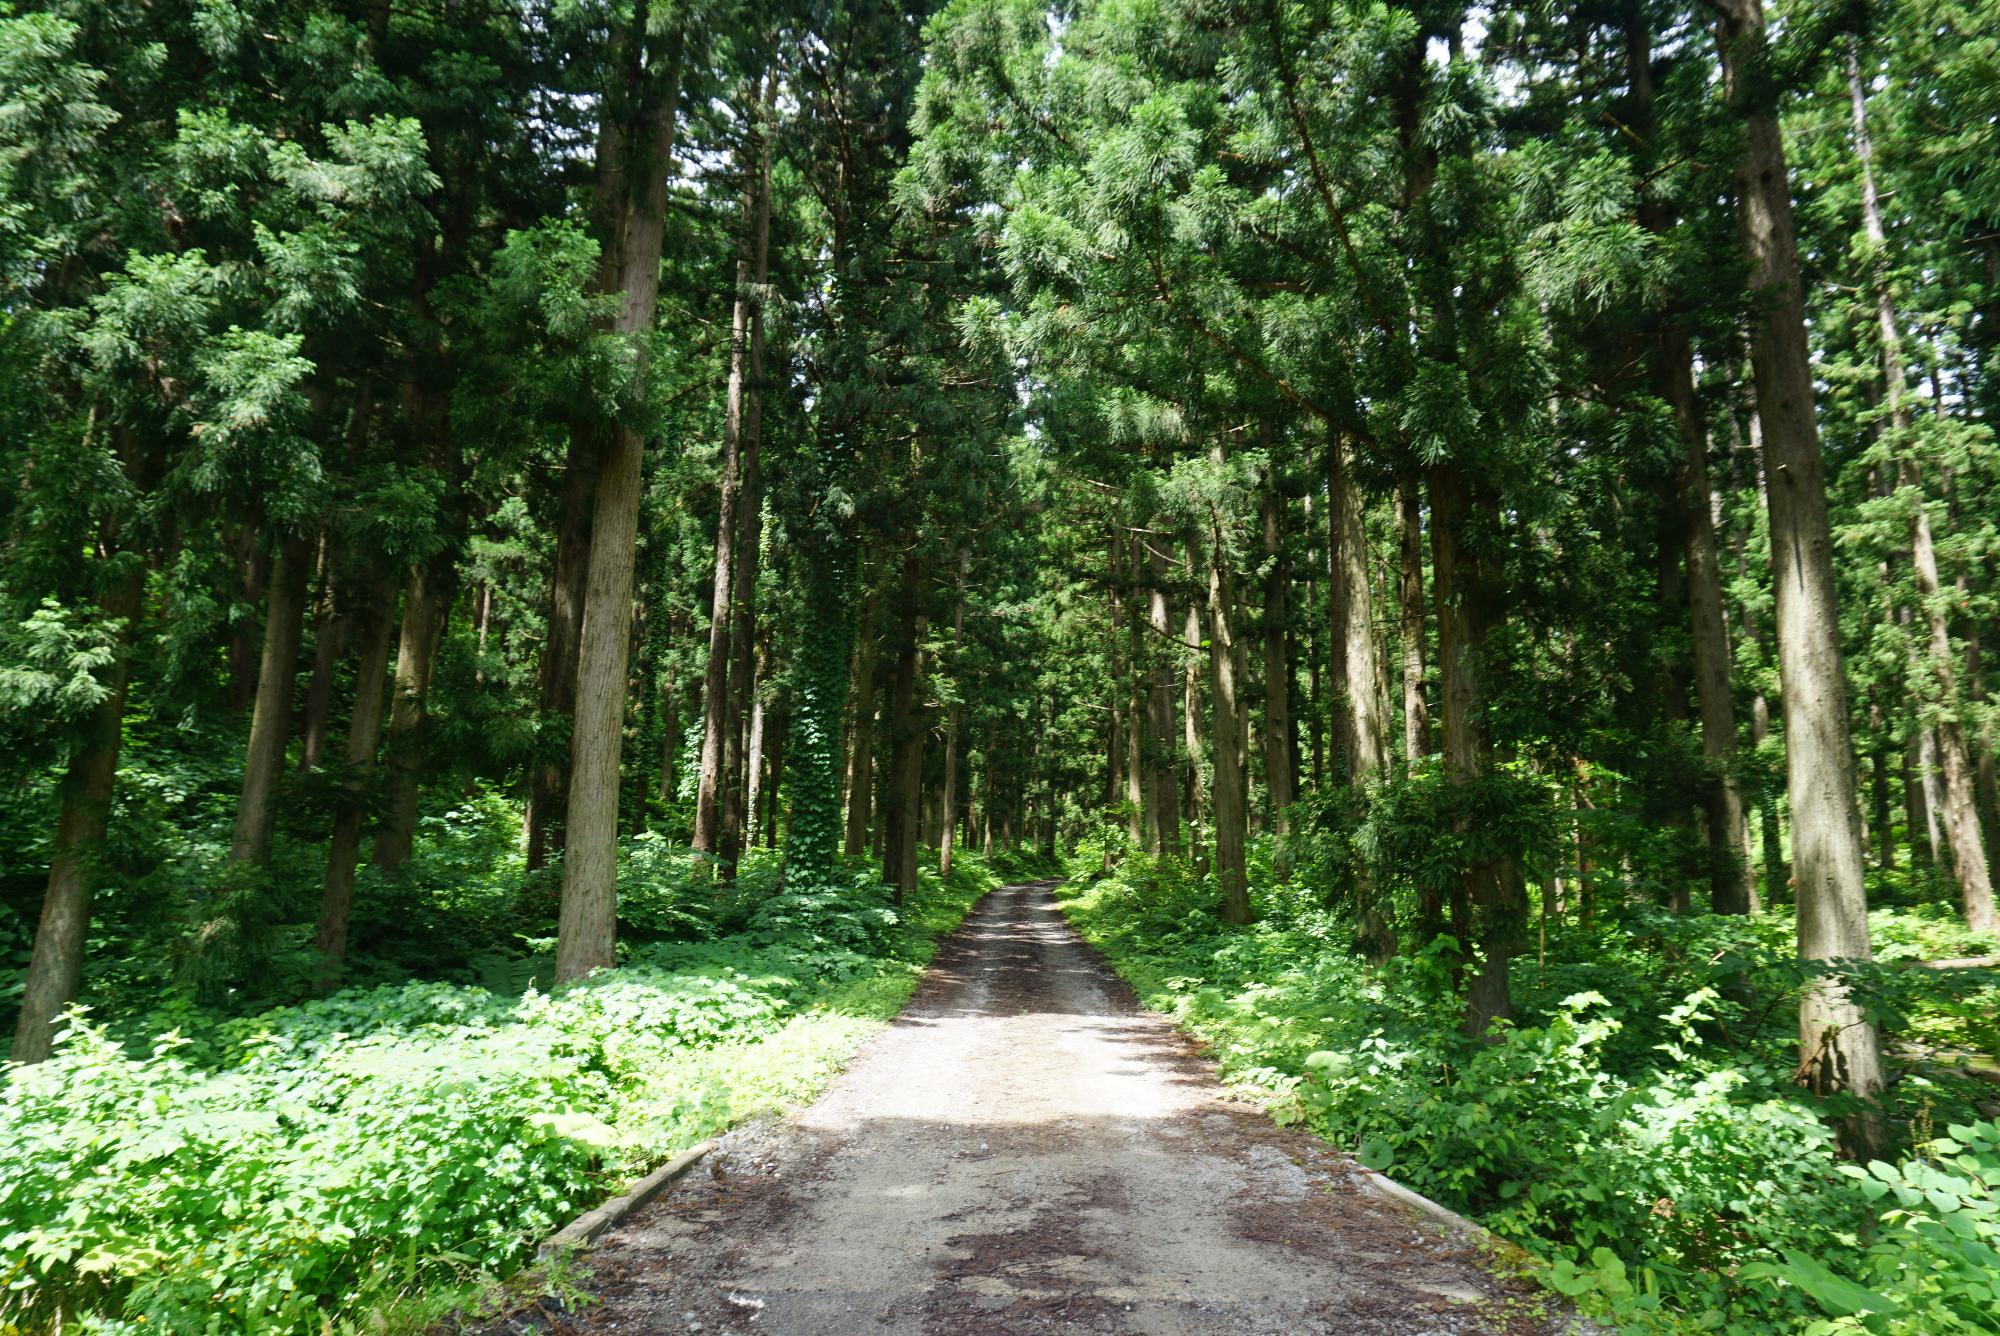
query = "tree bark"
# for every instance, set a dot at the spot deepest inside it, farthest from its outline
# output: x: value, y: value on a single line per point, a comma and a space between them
x: 424, y: 606
x: 1959, y: 812
x: 900, y: 809
x: 1228, y: 733
x: 364, y: 735
x: 1358, y: 662
x: 1839, y: 1048
x: 861, y: 744
x: 1410, y: 589
x: 55, y: 966
x: 549, y: 782
x: 1197, y: 792
x: 1163, y: 802
x: 744, y: 410
x: 587, y: 925
x: 1277, y: 672
x: 271, y: 716
x: 330, y: 628
x: 1466, y: 587
x: 1729, y: 881
x: 1367, y: 714
x: 253, y: 567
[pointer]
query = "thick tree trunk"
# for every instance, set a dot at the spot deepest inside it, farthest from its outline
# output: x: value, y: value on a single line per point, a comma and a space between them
x: 1729, y: 880
x: 587, y: 925
x: 1466, y: 587
x: 1839, y: 1048
x: 364, y: 734
x: 1163, y: 801
x: 271, y: 717
x: 55, y: 966
x: 1360, y: 655
x: 1229, y: 733
x: 1410, y: 590
x: 1959, y: 812
x: 1358, y: 662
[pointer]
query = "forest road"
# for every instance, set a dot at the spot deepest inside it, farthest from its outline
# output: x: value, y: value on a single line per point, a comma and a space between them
x: 1026, y: 1150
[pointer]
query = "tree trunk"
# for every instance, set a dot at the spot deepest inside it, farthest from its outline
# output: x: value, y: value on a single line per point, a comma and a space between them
x: 1410, y: 588
x: 1367, y: 715
x: 1466, y: 587
x: 1228, y: 733
x: 253, y: 567
x: 812, y: 843
x: 364, y: 734
x: 715, y: 683
x: 1277, y: 675
x: 1959, y: 812
x: 271, y: 717
x: 55, y: 967
x: 1729, y: 880
x: 1163, y: 802
x: 1358, y: 664
x: 746, y: 386
x: 1197, y: 793
x: 861, y: 743
x: 948, y: 798
x: 330, y: 628
x: 424, y: 605
x: 549, y: 781
x: 1839, y: 1048
x: 587, y: 926
x: 900, y: 808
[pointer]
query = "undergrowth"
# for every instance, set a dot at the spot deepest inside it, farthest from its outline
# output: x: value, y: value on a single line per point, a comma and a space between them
x: 1638, y: 1128
x: 332, y: 1164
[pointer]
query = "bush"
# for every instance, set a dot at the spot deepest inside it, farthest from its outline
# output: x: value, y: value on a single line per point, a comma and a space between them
x: 254, y: 1174
x: 1654, y: 1152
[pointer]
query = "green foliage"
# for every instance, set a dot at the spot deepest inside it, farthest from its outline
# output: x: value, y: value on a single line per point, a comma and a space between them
x: 261, y: 1173
x: 1632, y: 1128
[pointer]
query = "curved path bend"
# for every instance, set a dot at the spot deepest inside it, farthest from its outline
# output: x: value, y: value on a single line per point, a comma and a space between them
x: 1026, y: 1150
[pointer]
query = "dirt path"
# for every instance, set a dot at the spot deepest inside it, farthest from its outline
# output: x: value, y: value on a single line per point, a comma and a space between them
x: 1025, y: 1150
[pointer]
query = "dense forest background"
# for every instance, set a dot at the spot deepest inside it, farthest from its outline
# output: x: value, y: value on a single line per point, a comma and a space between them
x: 1469, y: 536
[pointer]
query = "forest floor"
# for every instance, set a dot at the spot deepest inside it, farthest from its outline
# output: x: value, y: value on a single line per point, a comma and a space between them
x: 1026, y: 1150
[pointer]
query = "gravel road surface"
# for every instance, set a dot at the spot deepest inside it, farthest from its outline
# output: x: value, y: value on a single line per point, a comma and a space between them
x: 1026, y: 1150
